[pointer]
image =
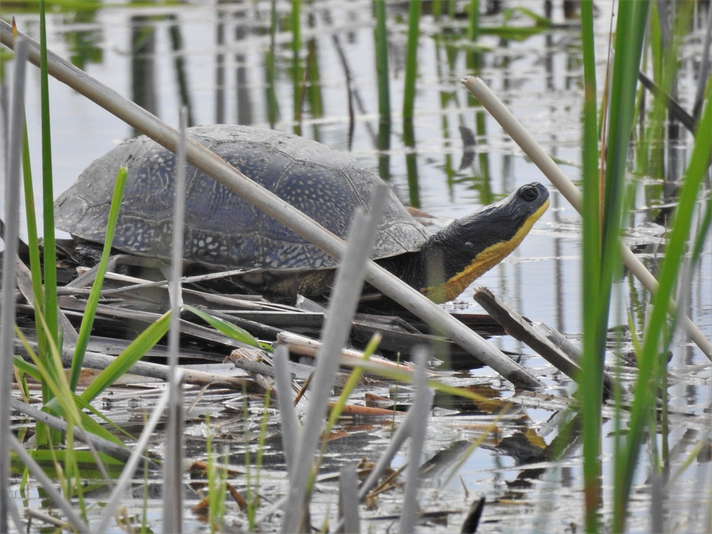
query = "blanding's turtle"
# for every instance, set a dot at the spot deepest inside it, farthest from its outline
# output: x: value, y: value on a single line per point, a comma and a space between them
x: 224, y: 231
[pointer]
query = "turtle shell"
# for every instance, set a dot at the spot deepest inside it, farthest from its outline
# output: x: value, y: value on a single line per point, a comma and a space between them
x: 221, y: 229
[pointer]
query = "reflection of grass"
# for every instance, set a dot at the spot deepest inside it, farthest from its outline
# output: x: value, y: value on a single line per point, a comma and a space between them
x: 217, y: 484
x: 382, y: 73
x: 253, y: 497
x: 411, y: 59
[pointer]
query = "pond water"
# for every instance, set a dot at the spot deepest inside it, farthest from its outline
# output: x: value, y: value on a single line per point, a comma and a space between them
x: 212, y: 57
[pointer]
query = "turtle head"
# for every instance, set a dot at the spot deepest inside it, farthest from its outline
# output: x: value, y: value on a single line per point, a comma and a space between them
x: 466, y: 249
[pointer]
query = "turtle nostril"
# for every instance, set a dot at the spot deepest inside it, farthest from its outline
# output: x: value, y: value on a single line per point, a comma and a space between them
x: 529, y: 193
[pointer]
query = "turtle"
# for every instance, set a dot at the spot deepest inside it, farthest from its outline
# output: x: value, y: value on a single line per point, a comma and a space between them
x: 224, y: 231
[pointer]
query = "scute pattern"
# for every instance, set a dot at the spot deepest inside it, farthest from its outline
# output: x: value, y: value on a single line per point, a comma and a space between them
x: 223, y: 230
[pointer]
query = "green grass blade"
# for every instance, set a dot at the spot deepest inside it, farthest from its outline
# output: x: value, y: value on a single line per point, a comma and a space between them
x: 27, y: 368
x: 84, y: 459
x: 138, y: 347
x: 51, y: 371
x: 55, y: 407
x: 50, y: 259
x: 230, y: 330
x: 85, y: 421
x: 592, y: 365
x: 313, y: 89
x: 32, y: 236
x: 93, y: 301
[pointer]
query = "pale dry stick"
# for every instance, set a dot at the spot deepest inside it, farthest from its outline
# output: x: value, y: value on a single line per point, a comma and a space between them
x: 403, y: 432
x: 33, y: 513
x: 298, y: 344
x: 291, y: 427
x: 173, y: 468
x: 552, y: 171
x: 394, y: 445
x: 301, y: 224
x: 47, y: 485
x: 421, y: 408
x: 96, y: 360
x: 335, y: 332
x: 114, y: 450
x: 348, y: 498
x: 8, y: 304
x: 127, y: 474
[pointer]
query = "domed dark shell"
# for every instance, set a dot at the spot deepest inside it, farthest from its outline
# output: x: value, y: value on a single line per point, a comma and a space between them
x: 221, y: 229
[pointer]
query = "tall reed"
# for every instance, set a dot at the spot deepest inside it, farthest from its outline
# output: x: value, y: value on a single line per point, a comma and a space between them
x: 591, y: 382
x: 49, y: 307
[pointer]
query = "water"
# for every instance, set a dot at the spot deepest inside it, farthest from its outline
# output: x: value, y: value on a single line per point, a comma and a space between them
x: 220, y: 67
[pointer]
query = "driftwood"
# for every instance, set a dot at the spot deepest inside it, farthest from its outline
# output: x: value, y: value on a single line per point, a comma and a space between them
x: 522, y: 329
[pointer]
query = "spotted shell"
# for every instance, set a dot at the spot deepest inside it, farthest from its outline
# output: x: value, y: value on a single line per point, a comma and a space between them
x: 221, y: 229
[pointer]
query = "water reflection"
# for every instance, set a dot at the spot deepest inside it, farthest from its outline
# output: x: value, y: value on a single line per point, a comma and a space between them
x: 143, y: 64
x: 84, y: 44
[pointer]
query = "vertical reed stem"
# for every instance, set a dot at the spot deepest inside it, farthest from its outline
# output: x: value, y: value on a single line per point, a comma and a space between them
x: 411, y: 59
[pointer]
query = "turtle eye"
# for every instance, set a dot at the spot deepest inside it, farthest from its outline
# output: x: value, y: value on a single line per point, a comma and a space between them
x: 528, y: 193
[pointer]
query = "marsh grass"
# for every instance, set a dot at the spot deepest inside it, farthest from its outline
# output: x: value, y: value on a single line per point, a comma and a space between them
x: 603, y: 216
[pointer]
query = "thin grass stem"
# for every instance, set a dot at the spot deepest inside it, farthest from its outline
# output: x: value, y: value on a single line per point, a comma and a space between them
x: 592, y: 364
x: 421, y: 407
x: 50, y: 260
x: 344, y: 298
x: 173, y: 467
x: 7, y: 302
x: 297, y: 78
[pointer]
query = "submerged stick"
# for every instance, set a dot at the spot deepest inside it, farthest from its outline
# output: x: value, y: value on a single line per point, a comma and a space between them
x: 552, y: 171
x: 302, y: 225
x: 520, y: 328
